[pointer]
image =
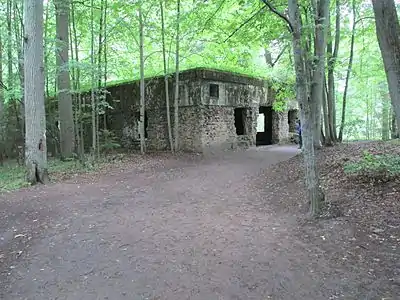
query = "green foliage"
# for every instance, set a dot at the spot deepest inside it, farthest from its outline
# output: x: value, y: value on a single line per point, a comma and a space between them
x: 374, y: 167
x: 108, y: 141
x: 12, y: 176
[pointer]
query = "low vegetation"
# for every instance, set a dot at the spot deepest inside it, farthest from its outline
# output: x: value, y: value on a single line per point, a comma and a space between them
x: 374, y: 167
x: 13, y: 176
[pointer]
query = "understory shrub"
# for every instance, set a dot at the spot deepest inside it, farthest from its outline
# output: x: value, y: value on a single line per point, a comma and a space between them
x: 374, y: 167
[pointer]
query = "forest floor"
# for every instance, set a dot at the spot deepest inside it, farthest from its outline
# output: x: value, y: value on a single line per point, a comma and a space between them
x: 225, y: 226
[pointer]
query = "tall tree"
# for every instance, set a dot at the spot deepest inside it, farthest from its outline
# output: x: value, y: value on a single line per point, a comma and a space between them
x: 332, y: 54
x: 166, y: 82
x: 348, y: 73
x: 321, y: 15
x: 93, y: 83
x: 2, y: 122
x: 35, y: 117
x: 303, y: 89
x: 80, y: 101
x: 66, y: 116
x: 385, y: 116
x: 142, y: 83
x: 176, y: 96
x: 388, y: 33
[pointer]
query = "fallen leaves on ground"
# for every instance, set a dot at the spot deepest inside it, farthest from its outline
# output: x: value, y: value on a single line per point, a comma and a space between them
x: 365, y: 238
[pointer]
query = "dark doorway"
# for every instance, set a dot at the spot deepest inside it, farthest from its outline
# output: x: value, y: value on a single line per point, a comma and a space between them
x: 264, y: 126
x: 292, y: 117
x: 239, y: 120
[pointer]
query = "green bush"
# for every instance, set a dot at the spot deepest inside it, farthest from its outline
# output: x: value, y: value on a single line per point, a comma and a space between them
x: 375, y: 167
x: 108, y: 142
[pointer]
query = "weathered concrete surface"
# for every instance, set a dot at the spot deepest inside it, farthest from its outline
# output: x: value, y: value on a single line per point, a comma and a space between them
x: 189, y: 231
x: 206, y: 120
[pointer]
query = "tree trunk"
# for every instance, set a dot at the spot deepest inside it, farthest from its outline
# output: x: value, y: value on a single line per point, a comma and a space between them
x: 171, y: 143
x: 268, y: 57
x: 317, y: 84
x: 349, y: 69
x: 80, y: 133
x: 385, y: 116
x: 66, y: 115
x: 142, y: 84
x: 328, y: 141
x: 388, y: 34
x: 394, y: 127
x: 315, y: 195
x: 105, y: 60
x: 176, y: 96
x: 19, y: 31
x: 93, y: 84
x: 46, y: 69
x: 35, y: 116
x: 2, y: 121
x: 332, y: 53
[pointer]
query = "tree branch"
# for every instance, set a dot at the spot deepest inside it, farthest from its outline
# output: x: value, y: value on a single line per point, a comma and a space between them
x: 278, y: 13
x: 279, y: 55
x: 244, y: 23
x: 365, y: 18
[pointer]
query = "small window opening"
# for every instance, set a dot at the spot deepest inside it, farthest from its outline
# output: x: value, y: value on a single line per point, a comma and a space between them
x: 214, y: 90
x: 239, y: 120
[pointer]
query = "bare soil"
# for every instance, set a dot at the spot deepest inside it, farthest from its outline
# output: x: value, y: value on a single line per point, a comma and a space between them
x: 225, y: 226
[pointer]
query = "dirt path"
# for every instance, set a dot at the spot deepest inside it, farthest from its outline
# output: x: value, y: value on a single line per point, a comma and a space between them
x: 189, y: 232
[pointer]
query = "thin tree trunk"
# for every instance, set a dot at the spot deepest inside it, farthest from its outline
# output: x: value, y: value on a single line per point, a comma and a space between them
x: 105, y: 60
x: 46, y: 69
x: 73, y: 90
x: 92, y: 94
x: 142, y: 84
x: 394, y: 127
x: 332, y: 52
x: 66, y: 115
x: 35, y: 116
x: 385, y: 116
x: 81, y: 102
x: 18, y: 107
x: 368, y: 116
x: 99, y: 76
x: 315, y: 195
x: 328, y: 141
x: 388, y: 33
x: 317, y: 84
x: 2, y: 121
x: 171, y: 143
x: 349, y: 69
x: 176, y: 96
x: 19, y: 32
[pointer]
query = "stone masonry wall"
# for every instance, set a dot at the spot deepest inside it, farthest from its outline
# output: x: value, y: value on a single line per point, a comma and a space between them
x: 205, y: 121
x: 280, y: 130
x: 218, y: 127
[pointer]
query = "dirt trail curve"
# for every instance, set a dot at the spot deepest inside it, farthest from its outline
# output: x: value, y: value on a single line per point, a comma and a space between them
x: 188, y: 232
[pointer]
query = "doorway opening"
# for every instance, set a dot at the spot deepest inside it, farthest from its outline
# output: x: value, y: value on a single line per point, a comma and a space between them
x: 264, y: 126
x: 292, y: 117
x: 239, y: 120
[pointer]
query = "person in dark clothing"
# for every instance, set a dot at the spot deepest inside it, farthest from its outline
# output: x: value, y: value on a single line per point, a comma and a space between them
x: 298, y: 129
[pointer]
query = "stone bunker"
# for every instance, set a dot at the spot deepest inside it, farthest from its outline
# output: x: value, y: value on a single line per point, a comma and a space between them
x: 217, y: 110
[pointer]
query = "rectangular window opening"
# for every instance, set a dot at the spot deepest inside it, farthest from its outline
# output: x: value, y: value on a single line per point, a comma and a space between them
x: 214, y: 90
x: 239, y: 120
